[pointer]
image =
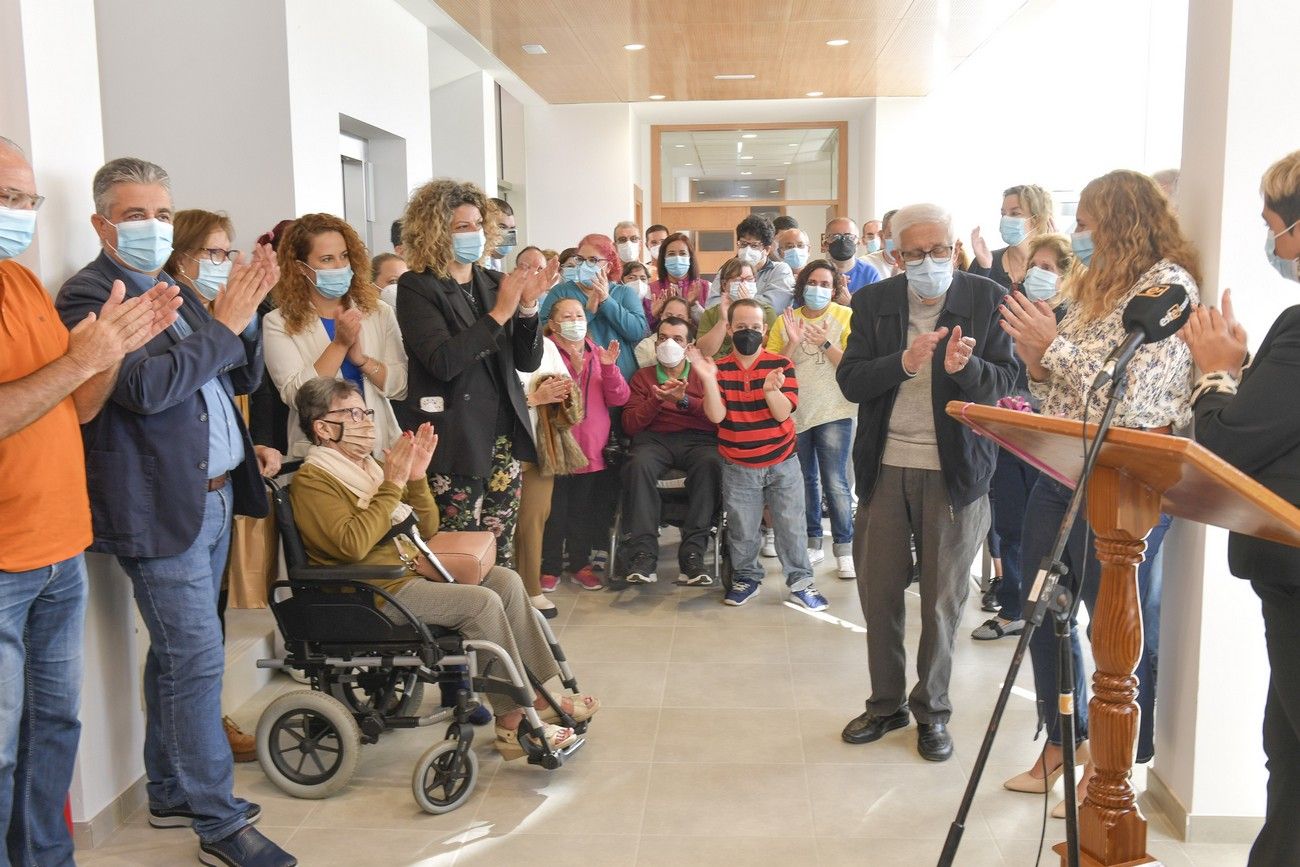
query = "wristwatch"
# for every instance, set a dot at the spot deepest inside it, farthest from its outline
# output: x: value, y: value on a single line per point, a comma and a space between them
x: 825, y: 345
x: 684, y: 404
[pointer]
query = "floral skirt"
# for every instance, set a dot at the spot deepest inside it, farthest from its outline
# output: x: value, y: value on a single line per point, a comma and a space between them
x: 478, y: 503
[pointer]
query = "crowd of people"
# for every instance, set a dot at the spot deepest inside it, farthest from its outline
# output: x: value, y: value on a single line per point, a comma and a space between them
x: 537, y: 400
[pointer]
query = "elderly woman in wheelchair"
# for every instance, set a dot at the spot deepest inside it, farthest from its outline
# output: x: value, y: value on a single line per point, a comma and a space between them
x: 348, y: 509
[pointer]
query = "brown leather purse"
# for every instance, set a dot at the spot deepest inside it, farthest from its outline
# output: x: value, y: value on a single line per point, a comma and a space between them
x: 466, y: 554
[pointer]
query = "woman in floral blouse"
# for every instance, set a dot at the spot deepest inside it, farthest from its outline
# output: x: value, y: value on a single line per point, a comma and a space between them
x: 1129, y: 238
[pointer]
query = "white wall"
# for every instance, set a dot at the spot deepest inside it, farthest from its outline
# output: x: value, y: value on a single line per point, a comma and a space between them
x: 220, y: 129
x: 1111, y: 98
x: 579, y: 171
x: 464, y: 139
x: 368, y: 60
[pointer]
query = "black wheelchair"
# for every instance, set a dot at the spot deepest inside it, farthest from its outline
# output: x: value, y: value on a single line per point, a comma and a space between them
x: 674, y: 506
x: 367, y: 668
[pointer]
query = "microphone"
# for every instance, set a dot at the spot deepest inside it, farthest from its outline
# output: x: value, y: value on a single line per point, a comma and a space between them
x: 1150, y: 316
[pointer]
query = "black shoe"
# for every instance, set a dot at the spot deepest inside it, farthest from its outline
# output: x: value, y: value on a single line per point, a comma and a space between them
x: 868, y: 727
x: 989, y: 601
x: 642, y: 569
x: 245, y: 848
x: 183, y: 816
x: 933, y: 742
x: 693, y: 573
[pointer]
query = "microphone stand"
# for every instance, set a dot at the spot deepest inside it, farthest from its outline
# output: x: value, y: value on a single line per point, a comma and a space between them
x: 1049, y: 595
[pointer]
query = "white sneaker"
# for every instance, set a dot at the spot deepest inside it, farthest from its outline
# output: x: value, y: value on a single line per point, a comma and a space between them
x: 846, y: 568
x: 815, y: 556
x: 769, y: 544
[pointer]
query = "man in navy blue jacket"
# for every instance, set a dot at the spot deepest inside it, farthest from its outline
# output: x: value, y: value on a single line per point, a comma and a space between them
x: 169, y: 461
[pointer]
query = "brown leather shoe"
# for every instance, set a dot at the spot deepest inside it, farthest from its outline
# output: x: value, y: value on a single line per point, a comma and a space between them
x: 242, y: 746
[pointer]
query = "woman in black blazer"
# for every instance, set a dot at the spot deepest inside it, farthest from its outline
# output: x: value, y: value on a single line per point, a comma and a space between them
x: 466, y: 329
x: 1246, y: 414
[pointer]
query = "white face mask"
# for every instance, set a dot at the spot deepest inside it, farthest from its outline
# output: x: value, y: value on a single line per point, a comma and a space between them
x: 750, y: 255
x: 653, y: 250
x: 642, y: 287
x: 741, y: 289
x: 670, y: 353
x: 627, y: 250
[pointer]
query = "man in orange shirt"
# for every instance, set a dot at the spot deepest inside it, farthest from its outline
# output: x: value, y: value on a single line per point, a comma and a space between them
x: 51, y: 380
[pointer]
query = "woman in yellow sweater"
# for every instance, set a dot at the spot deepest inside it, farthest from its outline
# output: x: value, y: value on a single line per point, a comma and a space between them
x: 345, y: 502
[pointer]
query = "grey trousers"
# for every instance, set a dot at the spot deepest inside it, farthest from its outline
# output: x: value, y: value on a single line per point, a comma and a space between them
x: 497, y: 610
x: 909, y: 502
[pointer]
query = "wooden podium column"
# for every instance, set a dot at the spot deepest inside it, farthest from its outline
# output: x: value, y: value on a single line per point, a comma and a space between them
x: 1112, y: 830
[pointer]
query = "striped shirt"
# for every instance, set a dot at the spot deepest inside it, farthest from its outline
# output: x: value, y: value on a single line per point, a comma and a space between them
x: 749, y: 434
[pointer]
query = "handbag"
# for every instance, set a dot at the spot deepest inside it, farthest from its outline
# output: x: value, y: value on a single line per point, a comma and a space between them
x: 467, y: 554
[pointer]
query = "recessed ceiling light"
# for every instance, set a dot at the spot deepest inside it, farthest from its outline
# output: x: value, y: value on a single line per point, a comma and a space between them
x: 746, y: 173
x: 679, y: 146
x: 688, y: 164
x: 634, y: 46
x: 793, y: 145
x: 813, y: 93
x: 786, y: 163
x: 750, y: 135
x: 658, y: 96
x: 534, y: 48
x: 747, y: 157
x: 774, y: 191
x: 734, y: 76
x: 837, y: 42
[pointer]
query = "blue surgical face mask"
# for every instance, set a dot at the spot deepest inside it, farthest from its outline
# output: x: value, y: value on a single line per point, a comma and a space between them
x: 587, y: 272
x: 333, y: 282
x: 569, y: 273
x: 1288, y: 268
x: 816, y: 297
x: 16, y: 230
x: 928, y: 278
x: 1040, y: 284
x: 678, y: 266
x: 889, y: 245
x: 468, y: 246
x: 1013, y: 229
x: 873, y: 245
x: 212, y: 277
x: 796, y: 258
x: 144, y: 245
x: 1081, y: 244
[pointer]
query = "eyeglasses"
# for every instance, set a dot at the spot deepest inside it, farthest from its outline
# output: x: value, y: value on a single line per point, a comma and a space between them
x: 215, y: 255
x: 630, y: 239
x: 19, y: 200
x: 831, y: 239
x: 939, y: 253
x: 357, y: 415
x: 594, y: 260
x: 753, y: 245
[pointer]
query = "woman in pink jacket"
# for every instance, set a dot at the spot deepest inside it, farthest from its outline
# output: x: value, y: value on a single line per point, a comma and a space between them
x: 583, y: 502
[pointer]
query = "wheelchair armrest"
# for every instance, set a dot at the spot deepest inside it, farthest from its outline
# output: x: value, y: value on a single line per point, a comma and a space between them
x: 325, y: 574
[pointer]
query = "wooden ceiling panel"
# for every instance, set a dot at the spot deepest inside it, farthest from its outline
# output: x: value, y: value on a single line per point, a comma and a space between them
x: 896, y: 47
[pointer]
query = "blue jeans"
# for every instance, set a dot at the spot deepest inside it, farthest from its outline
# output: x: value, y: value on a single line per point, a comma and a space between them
x: 1012, y: 481
x: 186, y: 754
x: 744, y: 491
x: 1044, y: 512
x: 41, y: 616
x: 824, y: 457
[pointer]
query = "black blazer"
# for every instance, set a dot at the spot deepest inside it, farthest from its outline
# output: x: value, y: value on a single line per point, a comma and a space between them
x: 449, y: 350
x: 147, y: 450
x: 1258, y: 432
x: 871, y: 372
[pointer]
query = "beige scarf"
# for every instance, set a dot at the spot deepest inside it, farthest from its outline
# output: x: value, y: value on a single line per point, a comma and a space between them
x: 558, y: 452
x: 361, y: 480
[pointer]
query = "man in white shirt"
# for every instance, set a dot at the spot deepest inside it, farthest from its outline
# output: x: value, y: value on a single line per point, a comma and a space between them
x: 882, y: 258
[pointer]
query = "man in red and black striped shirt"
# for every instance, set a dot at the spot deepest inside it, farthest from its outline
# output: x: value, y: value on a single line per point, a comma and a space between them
x: 751, y: 394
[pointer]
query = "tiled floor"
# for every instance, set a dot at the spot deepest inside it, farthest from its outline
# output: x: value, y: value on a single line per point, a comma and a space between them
x: 718, y: 743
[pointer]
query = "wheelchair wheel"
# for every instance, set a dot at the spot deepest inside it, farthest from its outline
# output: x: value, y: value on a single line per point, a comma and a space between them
x: 722, y: 555
x: 391, y: 693
x: 443, y: 779
x: 308, y: 744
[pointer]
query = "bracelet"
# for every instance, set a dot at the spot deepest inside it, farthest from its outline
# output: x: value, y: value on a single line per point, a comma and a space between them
x: 1215, y: 382
x: 527, y: 312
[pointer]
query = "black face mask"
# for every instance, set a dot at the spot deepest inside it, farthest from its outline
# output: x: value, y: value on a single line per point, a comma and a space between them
x: 747, y: 342
x: 842, y: 249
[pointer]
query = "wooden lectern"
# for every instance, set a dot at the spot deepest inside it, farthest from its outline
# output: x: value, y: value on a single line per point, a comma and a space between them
x: 1138, y: 475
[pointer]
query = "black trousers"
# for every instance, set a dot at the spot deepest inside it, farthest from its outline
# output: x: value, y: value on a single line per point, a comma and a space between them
x: 652, y: 455
x: 582, y: 509
x: 1278, y: 843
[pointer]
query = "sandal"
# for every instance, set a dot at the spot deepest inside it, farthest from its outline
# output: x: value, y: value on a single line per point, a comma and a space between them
x: 584, y: 708
x: 508, y: 740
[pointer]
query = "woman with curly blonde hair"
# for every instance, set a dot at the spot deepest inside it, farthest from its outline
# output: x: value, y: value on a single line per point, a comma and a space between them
x: 330, y: 322
x: 467, y: 329
x: 1129, y: 237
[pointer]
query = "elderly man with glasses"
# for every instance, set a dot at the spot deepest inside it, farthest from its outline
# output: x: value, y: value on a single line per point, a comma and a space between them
x: 918, y: 340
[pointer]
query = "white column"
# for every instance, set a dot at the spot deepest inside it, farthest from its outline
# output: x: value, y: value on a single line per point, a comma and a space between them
x: 49, y: 104
x: 465, y: 130
x: 1209, y: 770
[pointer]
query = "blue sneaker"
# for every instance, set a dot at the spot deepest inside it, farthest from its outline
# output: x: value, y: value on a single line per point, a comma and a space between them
x: 245, y: 848
x: 740, y: 592
x: 809, y: 598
